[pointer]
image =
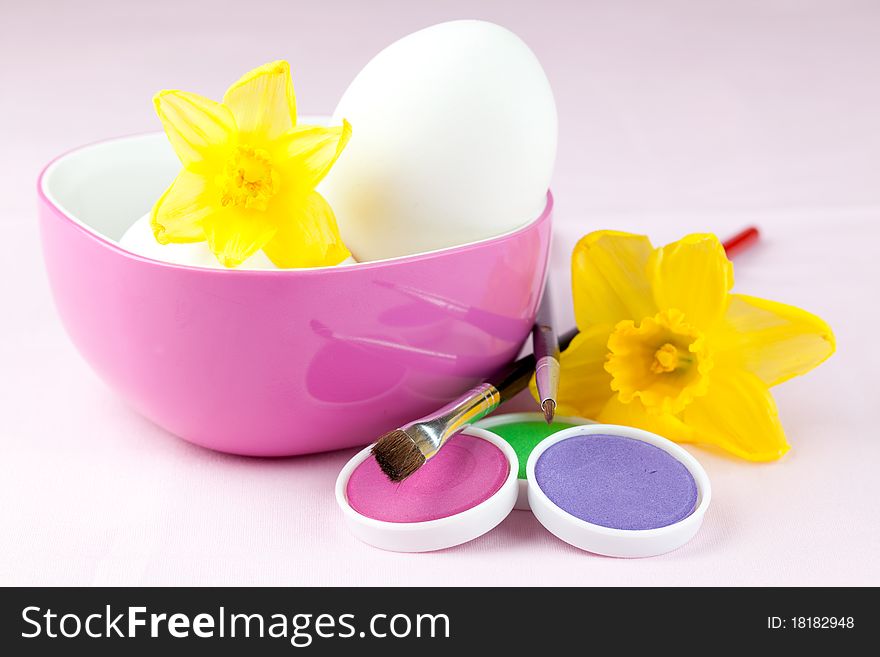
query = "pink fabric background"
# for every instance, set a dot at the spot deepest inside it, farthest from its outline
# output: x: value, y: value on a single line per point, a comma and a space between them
x: 674, y: 117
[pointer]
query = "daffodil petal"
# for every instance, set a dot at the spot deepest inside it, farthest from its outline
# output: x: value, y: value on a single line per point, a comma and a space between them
x: 235, y: 234
x: 738, y: 414
x: 196, y: 126
x: 584, y: 385
x: 693, y: 275
x: 307, y: 236
x: 609, y: 278
x: 773, y: 340
x: 263, y: 101
x: 310, y: 151
x: 178, y: 214
x: 634, y: 414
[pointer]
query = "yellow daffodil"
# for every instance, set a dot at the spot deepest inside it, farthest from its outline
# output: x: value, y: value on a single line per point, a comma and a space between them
x: 249, y: 174
x: 664, y: 346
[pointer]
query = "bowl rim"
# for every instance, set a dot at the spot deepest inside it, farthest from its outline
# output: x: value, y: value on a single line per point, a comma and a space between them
x: 46, y: 197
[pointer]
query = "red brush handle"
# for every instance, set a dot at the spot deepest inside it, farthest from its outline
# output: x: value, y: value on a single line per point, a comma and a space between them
x: 741, y: 241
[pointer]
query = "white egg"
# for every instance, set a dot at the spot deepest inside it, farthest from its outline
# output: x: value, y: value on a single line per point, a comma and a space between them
x: 454, y: 140
x: 139, y: 239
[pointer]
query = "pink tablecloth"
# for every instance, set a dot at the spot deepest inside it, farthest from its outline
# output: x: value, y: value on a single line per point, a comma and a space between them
x: 674, y: 117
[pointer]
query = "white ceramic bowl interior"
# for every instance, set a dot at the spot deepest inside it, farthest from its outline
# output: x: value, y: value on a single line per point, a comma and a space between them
x: 135, y: 171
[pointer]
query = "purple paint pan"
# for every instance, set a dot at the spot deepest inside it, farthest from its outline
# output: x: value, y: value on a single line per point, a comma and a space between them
x: 616, y: 490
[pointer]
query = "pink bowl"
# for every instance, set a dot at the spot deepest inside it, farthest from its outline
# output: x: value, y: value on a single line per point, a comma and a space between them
x: 274, y: 363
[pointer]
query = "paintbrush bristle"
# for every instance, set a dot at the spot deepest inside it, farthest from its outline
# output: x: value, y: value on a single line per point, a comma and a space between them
x: 397, y: 455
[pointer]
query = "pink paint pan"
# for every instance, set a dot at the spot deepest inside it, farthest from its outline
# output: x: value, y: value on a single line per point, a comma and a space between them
x: 460, y: 494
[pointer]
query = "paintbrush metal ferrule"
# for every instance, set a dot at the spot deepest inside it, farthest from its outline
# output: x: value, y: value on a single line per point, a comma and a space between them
x: 545, y: 346
x: 547, y: 378
x: 429, y: 433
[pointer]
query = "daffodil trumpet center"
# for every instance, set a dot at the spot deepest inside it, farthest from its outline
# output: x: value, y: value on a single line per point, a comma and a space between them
x: 663, y: 361
x: 670, y: 358
x: 248, y: 179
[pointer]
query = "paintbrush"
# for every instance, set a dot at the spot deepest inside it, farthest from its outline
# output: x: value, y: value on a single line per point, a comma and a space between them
x: 545, y: 346
x: 403, y: 451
